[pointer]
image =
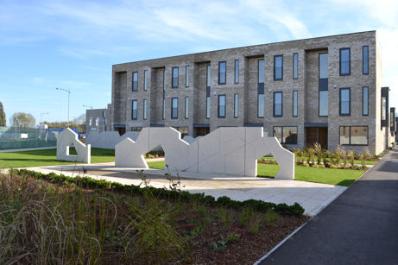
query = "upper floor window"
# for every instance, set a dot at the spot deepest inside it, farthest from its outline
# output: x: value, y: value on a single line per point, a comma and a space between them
x: 278, y: 67
x: 145, y: 109
x: 236, y: 71
x: 323, y: 97
x: 345, y: 101
x: 278, y: 104
x: 236, y: 105
x: 221, y: 106
x: 295, y: 104
x: 186, y: 110
x: 365, y: 60
x: 134, y: 109
x: 365, y: 101
x: 134, y: 83
x: 186, y: 75
x: 345, y: 61
x: 174, y: 75
x: 208, y: 75
x: 174, y: 108
x: 222, y: 72
x: 261, y: 71
x: 145, y: 80
x: 295, y: 65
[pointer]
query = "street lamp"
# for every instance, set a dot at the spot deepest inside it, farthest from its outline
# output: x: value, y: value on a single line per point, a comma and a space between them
x: 66, y: 91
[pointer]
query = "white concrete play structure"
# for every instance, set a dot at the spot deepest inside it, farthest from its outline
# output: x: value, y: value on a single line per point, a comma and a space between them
x: 68, y: 138
x: 227, y: 150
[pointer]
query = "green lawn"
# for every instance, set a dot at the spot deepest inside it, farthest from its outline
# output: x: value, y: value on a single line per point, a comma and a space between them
x: 344, y: 177
x: 47, y: 158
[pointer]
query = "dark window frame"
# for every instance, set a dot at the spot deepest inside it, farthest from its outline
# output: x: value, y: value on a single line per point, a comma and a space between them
x: 367, y: 105
x: 349, y: 135
x: 134, y: 117
x: 175, y: 85
x: 349, y: 61
x: 236, y: 105
x: 134, y: 84
x: 171, y: 107
x: 293, y: 109
x: 236, y: 71
x: 340, y: 101
x: 275, y: 57
x: 258, y: 105
x: 258, y: 70
x: 219, y: 73
x: 319, y: 88
x: 218, y: 106
x: 186, y: 110
x: 274, y: 105
x: 186, y: 75
x: 365, y: 71
x: 144, y: 109
x: 145, y: 88
x: 295, y: 72
x: 282, y: 127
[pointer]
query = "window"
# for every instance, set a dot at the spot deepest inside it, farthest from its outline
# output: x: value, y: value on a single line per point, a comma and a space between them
x: 97, y: 120
x: 345, y: 102
x: 222, y: 72
x: 295, y: 65
x: 208, y: 98
x: 345, y: 61
x: 365, y: 60
x: 186, y: 110
x: 208, y: 107
x: 134, y: 83
x: 278, y: 67
x: 186, y: 75
x: 236, y: 71
x: 236, y: 105
x: 353, y: 135
x: 260, y: 105
x: 208, y: 75
x: 221, y: 106
x: 164, y: 109
x: 134, y: 109
x: 383, y: 108
x: 278, y: 104
x: 286, y: 134
x: 145, y: 109
x: 261, y: 71
x: 174, y: 108
x: 163, y: 95
x: 323, y: 102
x: 295, y: 104
x: 145, y: 80
x: 174, y: 79
x: 365, y: 101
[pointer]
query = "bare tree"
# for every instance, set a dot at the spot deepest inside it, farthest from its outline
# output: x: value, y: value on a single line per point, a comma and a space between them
x: 22, y: 119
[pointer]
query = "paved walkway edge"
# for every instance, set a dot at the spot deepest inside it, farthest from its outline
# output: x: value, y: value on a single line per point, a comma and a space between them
x: 26, y: 149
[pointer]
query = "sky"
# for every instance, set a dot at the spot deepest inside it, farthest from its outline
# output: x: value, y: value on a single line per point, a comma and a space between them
x: 72, y: 45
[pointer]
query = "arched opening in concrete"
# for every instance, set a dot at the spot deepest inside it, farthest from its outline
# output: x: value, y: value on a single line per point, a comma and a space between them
x: 267, y: 166
x: 155, y: 158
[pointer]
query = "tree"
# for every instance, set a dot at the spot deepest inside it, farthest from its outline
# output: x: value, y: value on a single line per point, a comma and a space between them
x: 3, y: 122
x: 21, y: 119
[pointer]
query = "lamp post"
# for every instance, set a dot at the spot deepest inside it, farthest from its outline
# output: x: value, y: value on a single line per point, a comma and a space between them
x: 68, y: 92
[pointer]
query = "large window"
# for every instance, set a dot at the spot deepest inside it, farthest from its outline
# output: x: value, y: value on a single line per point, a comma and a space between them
x: 286, y: 134
x: 261, y: 71
x: 134, y: 109
x: 345, y: 61
x: 295, y: 65
x: 278, y: 104
x: 134, y: 82
x: 221, y: 106
x: 222, y: 72
x: 186, y: 75
x: 164, y: 109
x: 260, y: 89
x: 295, y: 103
x: 186, y: 109
x: 208, y: 87
x: 145, y: 80
x: 163, y: 95
x: 208, y: 107
x: 365, y: 60
x: 365, y: 101
x: 278, y: 67
x: 323, y: 103
x: 174, y: 77
x: 236, y: 71
x: 260, y: 105
x: 345, y: 101
x: 145, y: 109
x: 236, y: 105
x: 353, y: 135
x: 174, y: 108
x: 208, y: 75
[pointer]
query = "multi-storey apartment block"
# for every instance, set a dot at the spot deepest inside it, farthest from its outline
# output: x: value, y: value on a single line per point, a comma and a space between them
x: 326, y: 90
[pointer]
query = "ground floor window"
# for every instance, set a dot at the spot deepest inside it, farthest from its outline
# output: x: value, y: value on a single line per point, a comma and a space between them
x: 135, y: 129
x: 286, y: 134
x: 354, y: 135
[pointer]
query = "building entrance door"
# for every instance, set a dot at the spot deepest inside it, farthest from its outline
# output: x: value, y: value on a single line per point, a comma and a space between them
x: 316, y: 135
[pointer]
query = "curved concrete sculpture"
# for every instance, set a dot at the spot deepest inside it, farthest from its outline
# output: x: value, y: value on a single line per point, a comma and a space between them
x: 68, y: 138
x: 227, y: 150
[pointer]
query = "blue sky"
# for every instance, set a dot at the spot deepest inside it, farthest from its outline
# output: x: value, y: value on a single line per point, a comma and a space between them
x: 73, y: 44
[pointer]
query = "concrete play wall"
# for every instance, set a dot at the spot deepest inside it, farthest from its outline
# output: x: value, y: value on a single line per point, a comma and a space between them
x: 108, y: 139
x: 68, y: 138
x: 227, y: 150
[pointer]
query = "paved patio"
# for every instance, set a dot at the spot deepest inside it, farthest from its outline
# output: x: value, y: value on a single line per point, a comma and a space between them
x: 312, y: 196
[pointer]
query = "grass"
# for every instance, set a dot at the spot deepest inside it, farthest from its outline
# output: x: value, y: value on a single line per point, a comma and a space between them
x: 47, y: 157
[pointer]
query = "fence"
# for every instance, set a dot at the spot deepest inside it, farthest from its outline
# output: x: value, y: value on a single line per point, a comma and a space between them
x: 17, y: 138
